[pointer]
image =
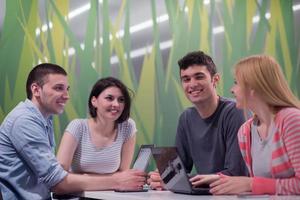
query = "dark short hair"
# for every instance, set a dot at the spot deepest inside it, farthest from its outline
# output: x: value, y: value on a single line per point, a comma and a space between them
x: 100, y: 86
x: 197, y: 58
x: 39, y: 75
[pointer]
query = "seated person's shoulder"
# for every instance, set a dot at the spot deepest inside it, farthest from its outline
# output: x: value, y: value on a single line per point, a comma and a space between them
x: 28, y: 120
x: 25, y: 129
x: 130, y: 121
x: 77, y: 123
x: 288, y: 116
x: 228, y: 103
x: 77, y: 127
x: 128, y: 127
x: 77, y: 120
x: 229, y: 107
x: 127, y: 123
x: 189, y: 112
x: 285, y: 112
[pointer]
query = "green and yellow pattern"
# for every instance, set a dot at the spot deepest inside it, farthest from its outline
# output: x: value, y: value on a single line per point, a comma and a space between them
x: 158, y: 99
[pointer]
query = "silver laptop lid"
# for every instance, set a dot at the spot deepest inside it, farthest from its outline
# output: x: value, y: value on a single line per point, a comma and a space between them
x: 171, y: 169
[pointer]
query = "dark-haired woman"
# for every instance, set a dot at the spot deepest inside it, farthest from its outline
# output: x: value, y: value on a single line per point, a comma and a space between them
x: 103, y: 144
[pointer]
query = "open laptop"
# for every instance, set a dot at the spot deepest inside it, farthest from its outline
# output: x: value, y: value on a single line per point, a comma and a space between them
x: 143, y: 156
x: 141, y: 163
x: 172, y: 172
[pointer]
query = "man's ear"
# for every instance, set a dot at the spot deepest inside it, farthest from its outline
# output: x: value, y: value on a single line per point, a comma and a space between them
x: 35, y: 89
x: 215, y: 79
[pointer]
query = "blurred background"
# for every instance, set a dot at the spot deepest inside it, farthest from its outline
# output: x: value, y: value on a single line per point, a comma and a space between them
x: 139, y: 42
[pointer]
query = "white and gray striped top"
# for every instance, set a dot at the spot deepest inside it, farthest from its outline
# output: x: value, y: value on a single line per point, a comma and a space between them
x: 90, y: 159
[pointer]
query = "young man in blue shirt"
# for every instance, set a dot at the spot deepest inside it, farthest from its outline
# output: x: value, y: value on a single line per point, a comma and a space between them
x: 28, y: 167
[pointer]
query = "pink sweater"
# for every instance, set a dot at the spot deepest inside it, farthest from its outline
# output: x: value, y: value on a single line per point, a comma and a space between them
x: 285, y: 164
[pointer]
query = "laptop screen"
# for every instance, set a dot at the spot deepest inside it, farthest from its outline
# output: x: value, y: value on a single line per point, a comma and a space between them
x: 164, y: 157
x: 143, y: 157
x: 172, y: 171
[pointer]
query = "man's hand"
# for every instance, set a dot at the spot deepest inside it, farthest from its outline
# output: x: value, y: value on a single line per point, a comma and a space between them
x: 199, y: 180
x: 155, y: 181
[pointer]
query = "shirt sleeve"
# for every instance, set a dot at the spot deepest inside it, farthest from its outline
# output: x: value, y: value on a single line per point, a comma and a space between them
x: 183, y: 146
x: 75, y: 128
x: 291, y: 139
x: 129, y: 129
x: 234, y: 164
x: 31, y: 140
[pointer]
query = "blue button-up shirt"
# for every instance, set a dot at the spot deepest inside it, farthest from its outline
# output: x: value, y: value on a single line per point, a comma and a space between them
x: 28, y: 167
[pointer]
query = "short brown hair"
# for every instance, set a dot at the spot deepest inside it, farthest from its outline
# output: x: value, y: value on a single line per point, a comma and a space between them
x: 198, y: 58
x: 39, y: 74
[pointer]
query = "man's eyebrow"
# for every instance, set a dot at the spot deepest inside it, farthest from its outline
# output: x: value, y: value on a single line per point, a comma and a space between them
x: 184, y: 76
x: 61, y: 84
x: 198, y: 73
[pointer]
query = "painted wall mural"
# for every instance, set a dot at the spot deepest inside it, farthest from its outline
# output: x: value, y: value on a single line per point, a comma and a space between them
x: 227, y: 30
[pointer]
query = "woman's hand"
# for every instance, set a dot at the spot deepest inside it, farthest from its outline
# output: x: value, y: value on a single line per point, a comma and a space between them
x: 231, y: 185
x: 155, y: 181
x: 129, y: 179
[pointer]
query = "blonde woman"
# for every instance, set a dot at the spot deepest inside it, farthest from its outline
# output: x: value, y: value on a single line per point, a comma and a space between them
x: 270, y: 140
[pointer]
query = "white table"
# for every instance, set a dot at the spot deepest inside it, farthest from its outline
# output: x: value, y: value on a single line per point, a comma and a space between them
x: 167, y: 195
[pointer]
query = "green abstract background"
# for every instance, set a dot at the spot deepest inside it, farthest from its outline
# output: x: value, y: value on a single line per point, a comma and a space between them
x: 158, y: 97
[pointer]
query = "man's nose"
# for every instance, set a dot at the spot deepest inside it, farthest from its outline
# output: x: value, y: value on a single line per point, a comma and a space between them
x: 66, y: 95
x: 193, y: 82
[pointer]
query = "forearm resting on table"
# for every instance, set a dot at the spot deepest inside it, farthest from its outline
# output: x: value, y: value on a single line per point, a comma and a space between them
x: 78, y: 183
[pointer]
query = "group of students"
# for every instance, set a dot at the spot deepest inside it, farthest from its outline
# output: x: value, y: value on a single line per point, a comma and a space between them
x: 261, y: 155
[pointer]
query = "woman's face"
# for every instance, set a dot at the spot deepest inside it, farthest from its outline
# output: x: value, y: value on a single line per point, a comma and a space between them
x: 110, y: 103
x: 237, y: 92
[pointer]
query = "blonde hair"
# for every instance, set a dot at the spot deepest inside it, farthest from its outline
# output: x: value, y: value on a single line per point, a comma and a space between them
x: 264, y: 75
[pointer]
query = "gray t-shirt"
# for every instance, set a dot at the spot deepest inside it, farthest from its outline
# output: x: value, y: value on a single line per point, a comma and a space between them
x: 261, y: 151
x: 90, y: 159
x: 211, y: 144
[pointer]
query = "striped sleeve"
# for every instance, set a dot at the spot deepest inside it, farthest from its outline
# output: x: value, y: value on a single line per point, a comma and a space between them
x: 129, y: 129
x: 291, y: 137
x: 245, y: 144
x: 75, y: 128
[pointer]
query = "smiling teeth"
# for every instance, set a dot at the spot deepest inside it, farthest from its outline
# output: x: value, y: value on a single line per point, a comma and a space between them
x: 195, y: 91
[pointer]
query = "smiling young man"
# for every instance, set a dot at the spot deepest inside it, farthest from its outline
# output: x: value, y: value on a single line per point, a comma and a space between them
x: 207, y: 132
x: 28, y: 167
